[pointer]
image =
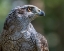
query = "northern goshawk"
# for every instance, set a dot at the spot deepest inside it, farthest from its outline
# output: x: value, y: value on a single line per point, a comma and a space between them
x: 19, y: 34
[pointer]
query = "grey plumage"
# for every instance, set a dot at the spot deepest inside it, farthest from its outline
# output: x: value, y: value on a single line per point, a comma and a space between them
x: 19, y: 34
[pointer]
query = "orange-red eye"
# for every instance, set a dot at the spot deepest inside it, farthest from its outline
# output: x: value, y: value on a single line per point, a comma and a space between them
x: 29, y: 9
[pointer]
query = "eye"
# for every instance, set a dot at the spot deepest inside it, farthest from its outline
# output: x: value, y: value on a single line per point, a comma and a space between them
x: 29, y: 9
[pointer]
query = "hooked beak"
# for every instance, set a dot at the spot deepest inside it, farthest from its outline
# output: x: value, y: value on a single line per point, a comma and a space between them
x: 41, y: 13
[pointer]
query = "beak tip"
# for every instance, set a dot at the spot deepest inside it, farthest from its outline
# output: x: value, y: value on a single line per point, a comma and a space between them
x: 42, y: 13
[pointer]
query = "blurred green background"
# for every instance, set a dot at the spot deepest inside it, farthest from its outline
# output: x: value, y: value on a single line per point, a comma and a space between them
x: 51, y: 26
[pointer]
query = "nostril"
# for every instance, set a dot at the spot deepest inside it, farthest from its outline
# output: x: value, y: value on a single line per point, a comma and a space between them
x: 39, y: 10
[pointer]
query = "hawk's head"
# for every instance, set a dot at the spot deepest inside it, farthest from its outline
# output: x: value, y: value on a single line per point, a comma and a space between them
x: 28, y: 11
